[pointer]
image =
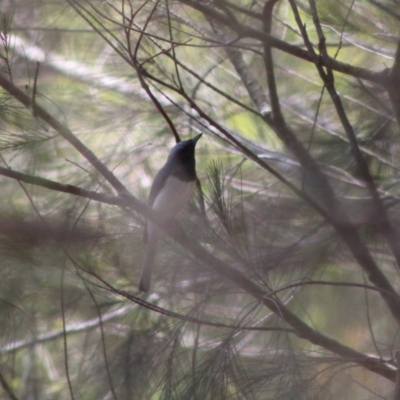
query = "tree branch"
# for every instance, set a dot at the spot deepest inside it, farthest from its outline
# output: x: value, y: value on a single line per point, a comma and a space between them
x: 384, y: 224
x: 69, y: 330
x: 65, y: 132
x: 301, y: 329
x: 394, y: 84
x: 396, y: 394
x: 7, y: 388
x: 246, y: 31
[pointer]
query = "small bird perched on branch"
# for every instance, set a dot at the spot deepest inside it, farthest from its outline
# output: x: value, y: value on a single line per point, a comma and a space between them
x: 172, y: 188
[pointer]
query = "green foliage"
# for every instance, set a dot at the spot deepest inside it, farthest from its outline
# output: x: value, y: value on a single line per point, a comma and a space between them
x: 122, y: 76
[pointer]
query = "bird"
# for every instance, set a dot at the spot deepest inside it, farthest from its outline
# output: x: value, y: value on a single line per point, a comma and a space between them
x: 171, y: 190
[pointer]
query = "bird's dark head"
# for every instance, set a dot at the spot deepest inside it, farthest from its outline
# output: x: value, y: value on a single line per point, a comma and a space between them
x: 181, y: 161
x: 183, y: 152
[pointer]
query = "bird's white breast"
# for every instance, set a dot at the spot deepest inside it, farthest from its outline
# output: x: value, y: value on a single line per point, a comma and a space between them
x: 173, y: 196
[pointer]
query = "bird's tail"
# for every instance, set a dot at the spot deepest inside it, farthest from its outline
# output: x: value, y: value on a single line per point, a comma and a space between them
x: 151, y: 248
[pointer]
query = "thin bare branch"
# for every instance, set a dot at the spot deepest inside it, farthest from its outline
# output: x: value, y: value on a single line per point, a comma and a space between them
x: 301, y: 329
x: 244, y: 31
x: 7, y: 388
x: 65, y: 132
x: 393, y: 85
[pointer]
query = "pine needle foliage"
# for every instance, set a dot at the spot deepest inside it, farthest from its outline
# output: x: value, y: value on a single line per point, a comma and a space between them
x: 280, y: 280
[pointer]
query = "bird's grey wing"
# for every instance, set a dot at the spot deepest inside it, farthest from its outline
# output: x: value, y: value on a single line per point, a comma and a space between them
x: 158, y: 184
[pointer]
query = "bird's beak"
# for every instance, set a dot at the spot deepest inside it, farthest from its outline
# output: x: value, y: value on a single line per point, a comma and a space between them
x: 196, y: 138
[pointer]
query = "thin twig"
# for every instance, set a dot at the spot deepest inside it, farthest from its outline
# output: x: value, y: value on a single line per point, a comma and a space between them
x: 384, y: 224
x: 347, y: 232
x: 141, y: 72
x: 103, y: 342
x: 244, y: 31
x: 64, y: 333
x: 71, y: 329
x: 394, y: 84
x: 7, y: 388
x: 396, y: 394
x: 34, y: 90
x: 65, y: 132
x: 300, y: 328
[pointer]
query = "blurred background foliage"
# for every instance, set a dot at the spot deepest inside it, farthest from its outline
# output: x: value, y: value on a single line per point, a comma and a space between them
x: 65, y: 333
